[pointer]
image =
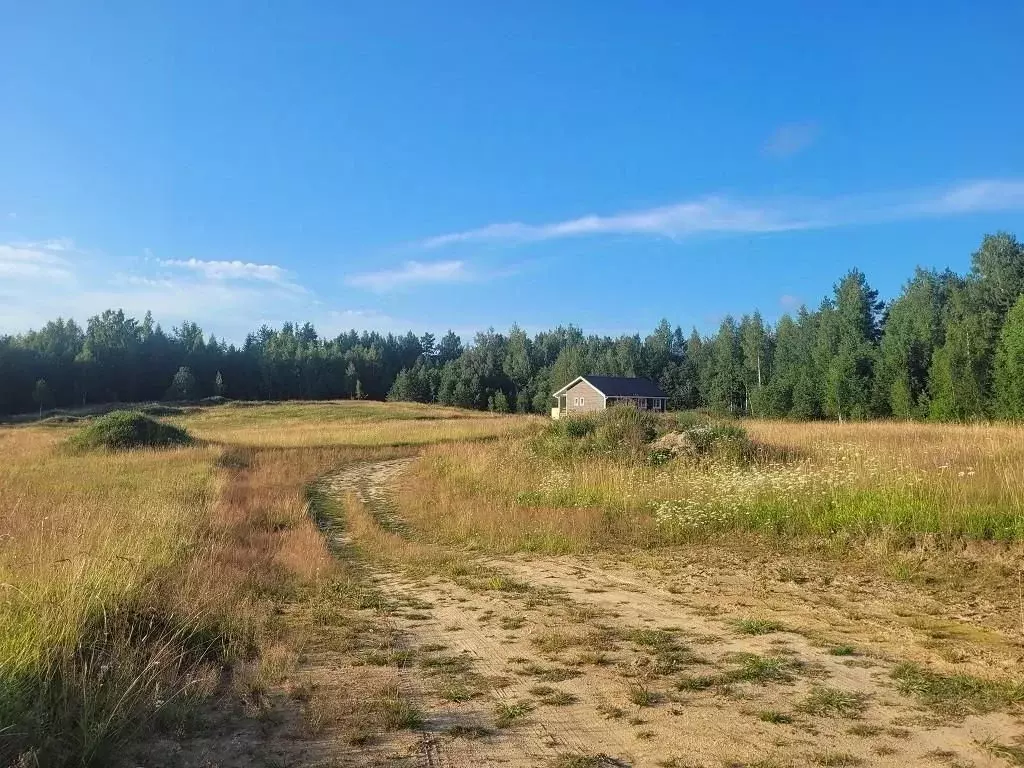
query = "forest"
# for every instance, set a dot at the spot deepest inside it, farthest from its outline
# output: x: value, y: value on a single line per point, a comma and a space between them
x: 949, y: 347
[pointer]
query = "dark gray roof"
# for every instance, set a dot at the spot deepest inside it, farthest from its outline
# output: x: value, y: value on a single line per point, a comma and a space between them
x: 621, y: 386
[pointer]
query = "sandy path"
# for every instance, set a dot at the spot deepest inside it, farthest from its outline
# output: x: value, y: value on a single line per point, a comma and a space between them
x: 574, y: 631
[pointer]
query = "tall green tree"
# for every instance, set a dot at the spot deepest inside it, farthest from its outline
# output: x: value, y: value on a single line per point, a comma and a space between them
x: 755, y: 347
x: 725, y: 382
x: 183, y: 385
x: 1009, y: 365
x: 913, y: 331
x: 960, y: 374
x: 848, y: 332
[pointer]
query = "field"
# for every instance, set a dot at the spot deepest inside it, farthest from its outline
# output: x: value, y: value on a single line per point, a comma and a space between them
x: 359, y: 584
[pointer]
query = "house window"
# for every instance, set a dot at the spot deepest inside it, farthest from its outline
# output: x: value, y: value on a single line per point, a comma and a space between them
x: 581, y: 401
x: 575, y: 401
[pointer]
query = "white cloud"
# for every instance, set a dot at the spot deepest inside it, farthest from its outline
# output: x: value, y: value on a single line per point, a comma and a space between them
x: 411, y: 273
x: 791, y: 139
x: 230, y: 270
x: 721, y: 215
x: 33, y: 260
x: 227, y: 298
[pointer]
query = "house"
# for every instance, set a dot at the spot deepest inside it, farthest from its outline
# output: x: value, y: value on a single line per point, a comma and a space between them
x: 589, y: 394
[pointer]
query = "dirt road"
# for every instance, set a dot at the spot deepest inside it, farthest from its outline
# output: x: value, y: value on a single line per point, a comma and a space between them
x: 692, y: 658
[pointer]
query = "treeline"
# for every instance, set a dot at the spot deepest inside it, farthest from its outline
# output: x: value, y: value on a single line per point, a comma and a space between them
x: 949, y: 347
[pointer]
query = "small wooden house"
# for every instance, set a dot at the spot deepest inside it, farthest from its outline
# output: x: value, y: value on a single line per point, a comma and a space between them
x: 588, y: 394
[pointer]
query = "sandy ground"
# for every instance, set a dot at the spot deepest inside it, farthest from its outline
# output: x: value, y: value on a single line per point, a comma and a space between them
x: 647, y: 662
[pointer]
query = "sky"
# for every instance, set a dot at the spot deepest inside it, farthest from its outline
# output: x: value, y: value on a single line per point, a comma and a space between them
x: 463, y: 165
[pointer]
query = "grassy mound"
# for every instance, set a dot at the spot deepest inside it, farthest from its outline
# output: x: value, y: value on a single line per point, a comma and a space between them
x: 124, y: 430
x: 626, y: 432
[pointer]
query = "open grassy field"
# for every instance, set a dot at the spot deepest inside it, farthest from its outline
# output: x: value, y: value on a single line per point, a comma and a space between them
x: 127, y: 579
x: 363, y: 584
x: 895, y: 483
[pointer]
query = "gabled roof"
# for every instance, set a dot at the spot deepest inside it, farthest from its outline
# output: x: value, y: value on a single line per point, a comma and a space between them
x: 617, y: 386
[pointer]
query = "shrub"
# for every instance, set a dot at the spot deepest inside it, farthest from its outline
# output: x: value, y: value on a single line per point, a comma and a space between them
x: 124, y: 430
x: 576, y: 426
x: 623, y: 426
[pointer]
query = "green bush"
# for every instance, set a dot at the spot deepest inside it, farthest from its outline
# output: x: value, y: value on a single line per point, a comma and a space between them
x: 576, y: 426
x: 125, y: 430
x: 623, y: 426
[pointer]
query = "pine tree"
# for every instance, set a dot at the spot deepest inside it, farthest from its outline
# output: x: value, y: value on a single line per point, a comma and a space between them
x: 218, y: 385
x: 401, y: 390
x: 848, y: 333
x: 913, y: 331
x: 183, y: 385
x: 725, y: 381
x: 1009, y: 365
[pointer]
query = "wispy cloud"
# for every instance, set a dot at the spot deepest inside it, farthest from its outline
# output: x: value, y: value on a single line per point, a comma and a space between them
x: 791, y: 139
x: 230, y: 270
x: 412, y: 273
x: 35, y: 260
x: 40, y: 281
x: 722, y: 215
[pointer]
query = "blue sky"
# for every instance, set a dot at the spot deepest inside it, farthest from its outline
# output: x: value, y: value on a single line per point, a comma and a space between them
x: 434, y: 165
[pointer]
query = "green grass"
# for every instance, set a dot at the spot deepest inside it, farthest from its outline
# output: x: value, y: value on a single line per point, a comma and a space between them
x: 585, y: 760
x: 842, y: 650
x: 400, y: 714
x: 125, y: 430
x: 507, y: 714
x: 957, y: 695
x: 758, y: 626
x: 772, y: 716
x: 553, y: 696
x: 642, y: 696
x: 752, y: 668
x: 833, y: 702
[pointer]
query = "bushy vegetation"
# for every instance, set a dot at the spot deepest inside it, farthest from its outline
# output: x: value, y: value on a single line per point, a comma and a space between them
x: 629, y: 433
x: 949, y: 348
x: 126, y: 430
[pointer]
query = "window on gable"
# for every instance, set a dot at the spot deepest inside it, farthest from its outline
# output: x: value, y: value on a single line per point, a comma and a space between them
x: 581, y: 401
x: 575, y: 401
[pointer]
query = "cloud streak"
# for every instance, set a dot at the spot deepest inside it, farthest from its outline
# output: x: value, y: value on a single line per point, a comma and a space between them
x: 19, y: 261
x: 722, y: 215
x: 411, y: 273
x: 230, y: 270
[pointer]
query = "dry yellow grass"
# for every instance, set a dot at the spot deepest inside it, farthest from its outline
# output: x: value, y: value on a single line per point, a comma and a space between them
x: 80, y: 538
x: 125, y: 578
x: 347, y: 423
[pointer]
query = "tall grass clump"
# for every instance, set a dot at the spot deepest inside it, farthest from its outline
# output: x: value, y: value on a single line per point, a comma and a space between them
x: 95, y: 635
x: 126, y: 430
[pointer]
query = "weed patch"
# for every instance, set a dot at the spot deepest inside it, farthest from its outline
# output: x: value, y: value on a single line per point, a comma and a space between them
x: 957, y: 695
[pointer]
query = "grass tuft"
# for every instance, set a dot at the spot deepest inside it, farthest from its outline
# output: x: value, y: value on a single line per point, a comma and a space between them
x: 758, y: 626
x: 833, y: 702
x: 957, y: 695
